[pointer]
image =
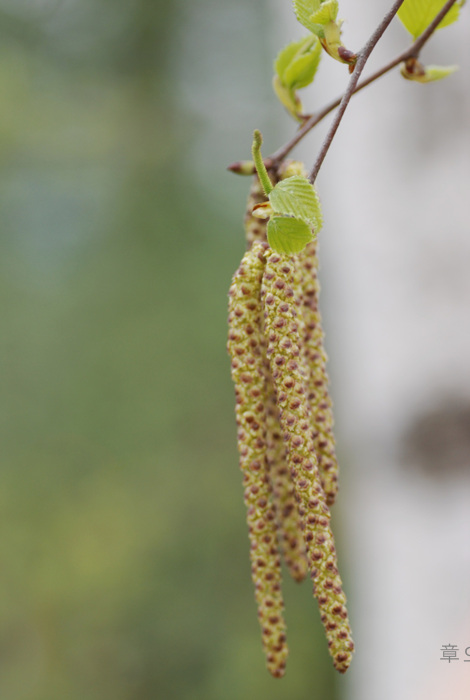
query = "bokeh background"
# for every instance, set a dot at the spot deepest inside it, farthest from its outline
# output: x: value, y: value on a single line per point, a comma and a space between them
x: 123, y: 547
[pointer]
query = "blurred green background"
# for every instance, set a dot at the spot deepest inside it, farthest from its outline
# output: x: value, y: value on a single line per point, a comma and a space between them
x: 124, y: 552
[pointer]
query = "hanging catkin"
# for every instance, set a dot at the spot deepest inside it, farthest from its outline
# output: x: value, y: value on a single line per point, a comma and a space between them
x: 245, y: 345
x: 317, y: 387
x: 282, y: 329
x: 287, y: 516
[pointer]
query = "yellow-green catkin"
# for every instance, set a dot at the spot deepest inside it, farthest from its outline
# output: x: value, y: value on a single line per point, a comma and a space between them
x: 317, y: 387
x: 287, y: 516
x: 246, y: 348
x: 308, y: 290
x: 287, y: 512
x: 284, y: 349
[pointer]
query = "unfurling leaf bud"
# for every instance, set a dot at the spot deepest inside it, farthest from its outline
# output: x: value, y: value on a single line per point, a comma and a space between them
x: 295, y: 68
x: 320, y: 17
x: 305, y: 11
x: 242, y: 167
x: 412, y: 69
x: 246, y: 348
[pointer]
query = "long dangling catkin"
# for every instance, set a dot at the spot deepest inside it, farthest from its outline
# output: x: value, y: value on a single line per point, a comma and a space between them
x: 318, y: 394
x: 245, y: 346
x: 308, y: 291
x: 281, y: 317
x: 287, y: 516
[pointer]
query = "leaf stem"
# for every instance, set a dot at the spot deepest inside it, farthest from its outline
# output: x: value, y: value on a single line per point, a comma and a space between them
x: 412, y: 52
x: 266, y: 183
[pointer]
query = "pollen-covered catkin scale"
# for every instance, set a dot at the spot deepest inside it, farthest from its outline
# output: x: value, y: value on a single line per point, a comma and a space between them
x: 287, y: 513
x: 284, y: 349
x: 245, y: 346
x: 317, y: 386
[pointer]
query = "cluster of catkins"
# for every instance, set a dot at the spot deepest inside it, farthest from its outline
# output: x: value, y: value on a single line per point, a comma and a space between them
x: 285, y: 434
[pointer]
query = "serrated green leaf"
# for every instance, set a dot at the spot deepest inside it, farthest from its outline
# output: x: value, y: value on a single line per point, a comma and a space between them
x: 327, y: 12
x: 304, y: 9
x: 302, y: 70
x: 297, y: 64
x: 430, y: 74
x: 295, y: 196
x: 285, y: 57
x: 416, y: 15
x: 288, y: 235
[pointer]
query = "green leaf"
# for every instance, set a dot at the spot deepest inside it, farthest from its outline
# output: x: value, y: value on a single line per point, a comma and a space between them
x: 287, y: 235
x: 286, y: 56
x: 295, y: 196
x: 439, y: 72
x: 302, y: 70
x: 304, y: 9
x: 429, y: 74
x: 327, y: 12
x: 287, y: 97
x: 298, y: 62
x: 416, y: 15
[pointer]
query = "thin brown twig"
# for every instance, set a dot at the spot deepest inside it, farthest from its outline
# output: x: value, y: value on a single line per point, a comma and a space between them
x: 412, y: 52
x: 361, y: 62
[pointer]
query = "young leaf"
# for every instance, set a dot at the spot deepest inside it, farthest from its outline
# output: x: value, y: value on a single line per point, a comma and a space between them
x: 301, y: 70
x: 286, y: 56
x: 429, y: 73
x: 287, y: 235
x: 288, y: 97
x: 319, y: 16
x: 416, y: 15
x: 327, y: 12
x: 295, y: 68
x: 438, y: 72
x: 295, y: 196
x: 304, y: 9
